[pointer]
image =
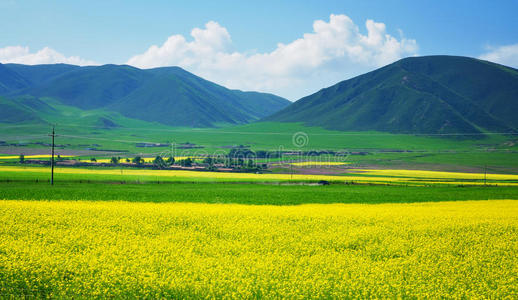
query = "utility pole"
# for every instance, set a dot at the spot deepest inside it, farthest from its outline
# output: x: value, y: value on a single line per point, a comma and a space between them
x: 52, y: 158
x: 485, y: 174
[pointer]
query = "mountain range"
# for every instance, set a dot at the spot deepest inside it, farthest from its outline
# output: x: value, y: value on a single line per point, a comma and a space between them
x: 416, y: 95
x: 170, y: 95
x: 430, y: 94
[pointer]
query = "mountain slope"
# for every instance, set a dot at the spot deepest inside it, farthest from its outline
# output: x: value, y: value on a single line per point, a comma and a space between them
x: 90, y: 87
x: 178, y: 98
x: 23, y: 110
x: 491, y: 86
x: 10, y: 80
x: 38, y: 74
x: 433, y: 94
x: 170, y: 95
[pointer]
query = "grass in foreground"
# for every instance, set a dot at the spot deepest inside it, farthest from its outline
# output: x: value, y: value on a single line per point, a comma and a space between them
x: 259, y: 194
x: 185, y: 250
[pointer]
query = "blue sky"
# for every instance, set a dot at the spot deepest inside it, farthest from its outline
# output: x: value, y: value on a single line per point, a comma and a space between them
x: 243, y: 36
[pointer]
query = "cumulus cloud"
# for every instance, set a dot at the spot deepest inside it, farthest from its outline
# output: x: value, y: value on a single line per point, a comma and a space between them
x: 334, y: 51
x: 505, y: 55
x: 22, y: 55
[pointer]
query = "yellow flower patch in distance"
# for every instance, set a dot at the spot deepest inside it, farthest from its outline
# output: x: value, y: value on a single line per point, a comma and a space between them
x: 436, y: 174
x: 318, y: 163
x: 194, y: 174
x: 32, y: 156
x: 373, y: 176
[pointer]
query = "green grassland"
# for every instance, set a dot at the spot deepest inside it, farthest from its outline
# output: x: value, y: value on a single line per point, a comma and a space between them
x: 494, y: 150
x: 248, y: 193
x: 79, y: 129
x: 110, y: 130
x: 259, y: 136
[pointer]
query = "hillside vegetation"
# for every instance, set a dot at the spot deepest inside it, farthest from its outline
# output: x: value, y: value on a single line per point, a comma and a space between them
x: 431, y: 94
x: 170, y: 96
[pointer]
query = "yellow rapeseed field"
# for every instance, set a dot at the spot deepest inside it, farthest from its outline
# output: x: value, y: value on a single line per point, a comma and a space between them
x: 183, y: 250
x: 31, y: 156
x: 411, y: 177
x: 436, y: 174
x: 318, y: 163
x: 191, y: 174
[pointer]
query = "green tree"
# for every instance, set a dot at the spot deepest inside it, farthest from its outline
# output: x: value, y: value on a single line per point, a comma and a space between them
x: 114, y: 160
x: 251, y: 164
x: 186, y: 162
x: 22, y: 158
x: 209, y: 161
x: 229, y: 163
x: 170, y: 160
x: 138, y: 160
x: 159, y: 162
x: 93, y: 159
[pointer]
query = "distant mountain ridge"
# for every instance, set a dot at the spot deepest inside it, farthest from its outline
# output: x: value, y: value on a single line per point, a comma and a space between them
x: 430, y: 94
x: 168, y: 95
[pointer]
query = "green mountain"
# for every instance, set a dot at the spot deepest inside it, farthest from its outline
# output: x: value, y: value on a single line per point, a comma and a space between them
x: 178, y: 98
x: 11, y: 80
x: 171, y: 96
x: 24, y: 110
x: 38, y: 74
x: 24, y: 114
x: 431, y: 94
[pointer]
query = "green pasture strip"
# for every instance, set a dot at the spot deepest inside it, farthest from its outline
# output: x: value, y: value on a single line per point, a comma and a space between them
x: 259, y: 136
x: 248, y: 193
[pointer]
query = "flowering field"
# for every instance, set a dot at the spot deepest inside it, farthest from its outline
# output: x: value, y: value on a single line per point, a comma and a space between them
x: 437, y: 174
x: 30, y: 156
x: 402, y: 177
x: 318, y: 163
x: 121, y: 249
x: 175, y: 174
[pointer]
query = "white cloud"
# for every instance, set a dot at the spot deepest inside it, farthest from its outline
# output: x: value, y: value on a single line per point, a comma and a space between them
x: 505, y: 55
x: 22, y: 55
x: 334, y: 51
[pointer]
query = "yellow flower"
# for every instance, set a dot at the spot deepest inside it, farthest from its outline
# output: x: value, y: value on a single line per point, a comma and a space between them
x: 183, y: 250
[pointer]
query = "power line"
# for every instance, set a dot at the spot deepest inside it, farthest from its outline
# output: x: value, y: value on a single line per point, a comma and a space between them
x: 52, y: 158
